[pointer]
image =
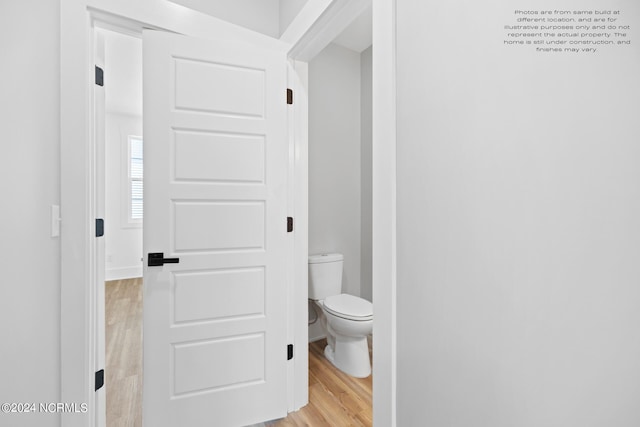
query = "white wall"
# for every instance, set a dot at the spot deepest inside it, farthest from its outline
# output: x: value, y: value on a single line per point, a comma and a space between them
x: 29, y: 184
x: 334, y: 160
x: 366, y: 177
x: 123, y: 241
x: 384, y: 213
x: 518, y: 208
x: 123, y: 73
x: 257, y: 15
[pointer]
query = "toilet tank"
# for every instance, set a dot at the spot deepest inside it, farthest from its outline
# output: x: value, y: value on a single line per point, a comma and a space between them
x: 325, y: 275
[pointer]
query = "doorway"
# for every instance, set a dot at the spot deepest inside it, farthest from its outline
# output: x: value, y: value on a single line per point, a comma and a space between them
x: 123, y: 196
x: 237, y: 184
x: 340, y: 201
x: 339, y: 193
x: 123, y: 125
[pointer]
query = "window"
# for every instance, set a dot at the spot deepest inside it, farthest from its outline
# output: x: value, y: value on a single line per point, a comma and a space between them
x: 135, y: 184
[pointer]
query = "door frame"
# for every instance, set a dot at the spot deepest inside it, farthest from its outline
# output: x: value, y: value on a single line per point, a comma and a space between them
x: 77, y: 152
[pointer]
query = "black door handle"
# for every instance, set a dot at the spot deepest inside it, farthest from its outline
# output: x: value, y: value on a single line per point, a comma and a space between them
x: 157, y: 259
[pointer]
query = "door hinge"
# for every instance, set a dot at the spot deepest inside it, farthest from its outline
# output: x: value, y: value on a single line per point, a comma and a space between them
x: 289, y: 96
x: 99, y: 227
x: 289, y: 224
x: 99, y: 379
x: 289, y: 351
x: 99, y: 76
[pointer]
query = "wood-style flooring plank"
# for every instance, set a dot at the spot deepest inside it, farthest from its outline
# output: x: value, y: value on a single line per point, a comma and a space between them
x: 335, y: 399
x: 123, y: 370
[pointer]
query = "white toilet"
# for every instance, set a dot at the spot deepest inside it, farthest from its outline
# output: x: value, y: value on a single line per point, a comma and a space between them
x: 346, y: 319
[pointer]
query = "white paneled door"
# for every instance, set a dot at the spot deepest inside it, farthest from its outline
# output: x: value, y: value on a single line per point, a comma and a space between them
x: 215, y: 171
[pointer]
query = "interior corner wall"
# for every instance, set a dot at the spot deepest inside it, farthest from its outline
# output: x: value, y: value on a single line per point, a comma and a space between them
x: 518, y: 219
x: 30, y: 184
x: 123, y: 241
x: 366, y: 173
x: 334, y: 160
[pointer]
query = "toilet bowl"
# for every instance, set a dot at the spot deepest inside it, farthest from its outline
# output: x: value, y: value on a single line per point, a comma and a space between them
x: 347, y: 320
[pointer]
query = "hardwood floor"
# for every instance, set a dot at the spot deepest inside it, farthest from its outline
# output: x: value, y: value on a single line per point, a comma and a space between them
x: 123, y: 370
x: 335, y: 399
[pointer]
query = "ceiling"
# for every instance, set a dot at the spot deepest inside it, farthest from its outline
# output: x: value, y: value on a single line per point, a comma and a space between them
x: 359, y: 35
x: 271, y: 17
x: 257, y: 15
x: 123, y: 63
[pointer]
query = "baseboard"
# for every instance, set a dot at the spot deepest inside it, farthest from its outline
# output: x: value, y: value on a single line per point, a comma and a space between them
x: 123, y: 273
x: 317, y: 338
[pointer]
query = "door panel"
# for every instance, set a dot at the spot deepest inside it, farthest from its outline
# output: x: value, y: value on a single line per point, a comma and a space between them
x: 216, y: 159
x: 218, y: 294
x: 231, y: 89
x: 209, y: 156
x: 241, y: 355
x: 226, y: 226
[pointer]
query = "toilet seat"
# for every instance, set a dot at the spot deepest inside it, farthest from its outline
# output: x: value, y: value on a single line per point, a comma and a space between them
x: 349, y: 307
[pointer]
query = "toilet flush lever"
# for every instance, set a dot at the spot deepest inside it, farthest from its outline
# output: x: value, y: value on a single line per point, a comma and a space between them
x: 157, y: 259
